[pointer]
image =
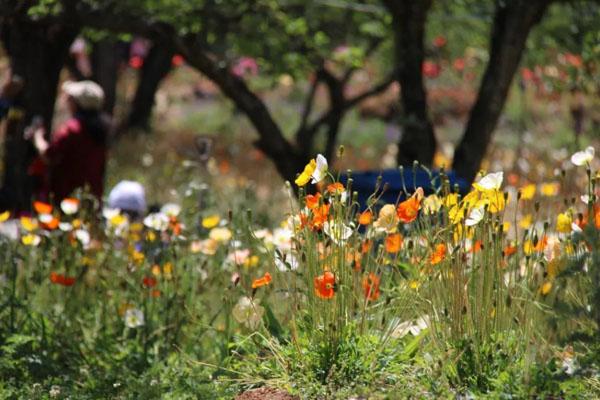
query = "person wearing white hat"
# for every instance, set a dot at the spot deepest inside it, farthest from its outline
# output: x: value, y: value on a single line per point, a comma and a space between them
x: 129, y: 197
x: 75, y: 157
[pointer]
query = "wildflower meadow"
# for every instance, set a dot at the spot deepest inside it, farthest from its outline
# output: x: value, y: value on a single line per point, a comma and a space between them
x: 299, y: 199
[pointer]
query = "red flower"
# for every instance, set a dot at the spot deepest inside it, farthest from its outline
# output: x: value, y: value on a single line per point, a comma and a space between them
x: 325, y: 285
x: 136, y: 62
x: 177, y: 60
x: 149, y: 282
x: 60, y: 279
x: 459, y: 64
x: 439, y: 41
x: 431, y: 69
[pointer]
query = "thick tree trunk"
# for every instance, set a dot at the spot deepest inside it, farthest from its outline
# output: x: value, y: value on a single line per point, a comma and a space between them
x: 418, y: 140
x: 105, y: 65
x: 156, y: 67
x: 513, y: 21
x: 37, y: 53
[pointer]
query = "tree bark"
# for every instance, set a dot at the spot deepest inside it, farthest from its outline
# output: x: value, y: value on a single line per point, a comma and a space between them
x: 285, y: 156
x: 157, y: 66
x: 513, y: 20
x: 418, y: 139
x: 37, y: 54
x: 105, y: 65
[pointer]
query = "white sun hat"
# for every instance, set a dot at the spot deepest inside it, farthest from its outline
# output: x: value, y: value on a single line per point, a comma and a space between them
x: 128, y: 196
x: 87, y: 94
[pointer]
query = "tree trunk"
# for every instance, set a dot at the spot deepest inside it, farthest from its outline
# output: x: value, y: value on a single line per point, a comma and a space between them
x: 156, y: 67
x: 513, y: 21
x: 418, y: 140
x: 37, y: 53
x: 287, y: 159
x: 105, y: 65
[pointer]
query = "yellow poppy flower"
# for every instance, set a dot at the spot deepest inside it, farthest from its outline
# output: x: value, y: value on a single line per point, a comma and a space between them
x: 549, y: 189
x: 451, y: 200
x: 526, y: 221
x: 31, y: 240
x: 456, y: 214
x: 29, y: 224
x: 563, y: 222
x: 431, y: 204
x: 306, y: 175
x: 528, y: 191
x: 220, y: 234
x: 211, y: 221
x: 156, y: 270
x: 4, y: 216
x: 546, y: 287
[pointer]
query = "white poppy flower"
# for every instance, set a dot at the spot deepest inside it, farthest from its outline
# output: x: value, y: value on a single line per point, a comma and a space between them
x: 338, y: 232
x: 45, y: 218
x: 576, y: 228
x: 490, y: 181
x: 110, y: 213
x: 83, y: 236
x: 320, y: 171
x: 583, y: 157
x: 248, y: 312
x: 413, y: 327
x: 157, y: 221
x: 171, y: 209
x: 290, y: 263
x: 475, y: 216
x: 134, y: 318
x: 282, y: 238
x: 69, y: 206
x: 65, y: 226
x: 585, y: 198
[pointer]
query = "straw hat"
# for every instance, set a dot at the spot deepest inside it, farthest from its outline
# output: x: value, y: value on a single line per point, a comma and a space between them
x: 87, y: 94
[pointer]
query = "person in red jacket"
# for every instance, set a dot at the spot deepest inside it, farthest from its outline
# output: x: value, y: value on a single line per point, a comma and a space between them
x: 75, y: 157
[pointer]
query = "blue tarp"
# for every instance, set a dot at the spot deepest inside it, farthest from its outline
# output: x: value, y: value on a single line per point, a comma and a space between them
x: 364, y: 183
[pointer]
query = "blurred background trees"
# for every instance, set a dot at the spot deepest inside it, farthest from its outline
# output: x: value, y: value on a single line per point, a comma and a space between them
x: 320, y: 44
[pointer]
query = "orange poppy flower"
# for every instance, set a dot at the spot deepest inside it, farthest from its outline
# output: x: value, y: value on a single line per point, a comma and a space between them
x: 438, y: 255
x: 320, y: 216
x: 264, y: 280
x: 42, y: 208
x: 335, y: 188
x: 312, y: 200
x: 409, y: 209
x: 50, y: 225
x: 155, y: 293
x: 581, y: 221
x: 542, y: 243
x: 597, y: 216
x: 477, y: 246
x: 509, y: 250
x: 393, y: 243
x: 366, y: 246
x: 175, y: 226
x: 60, y: 279
x: 370, y: 285
x: 365, y: 217
x: 325, y: 285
